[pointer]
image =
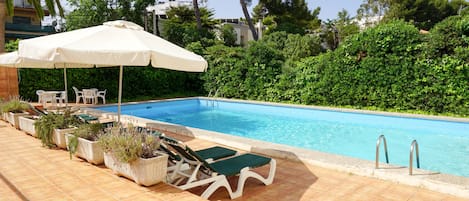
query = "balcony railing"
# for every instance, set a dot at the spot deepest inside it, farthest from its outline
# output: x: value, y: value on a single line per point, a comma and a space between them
x: 29, y: 28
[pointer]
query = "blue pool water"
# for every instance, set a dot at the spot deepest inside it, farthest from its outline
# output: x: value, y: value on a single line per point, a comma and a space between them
x: 443, y: 145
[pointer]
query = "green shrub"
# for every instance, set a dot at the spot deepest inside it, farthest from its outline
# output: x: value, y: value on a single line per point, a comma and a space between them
x: 15, y: 105
x: 45, y: 125
x: 127, y: 145
x: 91, y: 132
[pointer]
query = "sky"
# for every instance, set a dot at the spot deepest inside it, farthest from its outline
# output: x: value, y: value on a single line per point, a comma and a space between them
x: 329, y: 8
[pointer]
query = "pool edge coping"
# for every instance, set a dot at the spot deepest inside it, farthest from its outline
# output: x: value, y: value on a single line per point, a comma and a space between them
x: 444, y: 183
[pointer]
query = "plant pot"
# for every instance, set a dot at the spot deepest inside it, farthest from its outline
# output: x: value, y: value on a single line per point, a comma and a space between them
x: 26, y: 124
x: 89, y: 150
x: 4, y: 116
x: 58, y: 137
x: 13, y: 118
x: 145, y: 172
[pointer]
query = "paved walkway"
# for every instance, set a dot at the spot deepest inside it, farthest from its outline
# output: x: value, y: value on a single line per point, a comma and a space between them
x: 31, y: 172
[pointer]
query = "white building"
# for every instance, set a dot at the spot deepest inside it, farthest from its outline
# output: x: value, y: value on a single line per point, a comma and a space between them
x: 161, y: 6
x: 243, y: 33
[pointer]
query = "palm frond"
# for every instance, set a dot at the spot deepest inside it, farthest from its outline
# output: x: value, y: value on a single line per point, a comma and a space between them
x: 10, y: 7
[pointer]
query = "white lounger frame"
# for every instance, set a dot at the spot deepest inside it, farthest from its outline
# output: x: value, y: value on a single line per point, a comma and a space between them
x: 193, y: 177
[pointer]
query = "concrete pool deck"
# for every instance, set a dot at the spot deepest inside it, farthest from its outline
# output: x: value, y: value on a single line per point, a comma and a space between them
x: 455, y: 185
x: 31, y: 172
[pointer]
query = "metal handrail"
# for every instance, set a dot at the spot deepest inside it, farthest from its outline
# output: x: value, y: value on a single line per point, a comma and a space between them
x: 411, y: 158
x: 378, y: 142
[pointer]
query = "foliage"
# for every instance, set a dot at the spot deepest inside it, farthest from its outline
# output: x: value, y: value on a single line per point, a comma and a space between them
x: 95, y: 12
x: 45, y: 125
x: 292, y: 16
x: 15, y: 105
x: 12, y: 45
x: 447, y: 35
x: 129, y: 144
x: 137, y: 82
x: 90, y: 13
x: 424, y: 14
x: 52, y: 7
x: 264, y: 65
x: 335, y: 31
x: 228, y: 35
x: 90, y: 132
x: 181, y: 28
x: 294, y: 46
x: 226, y: 71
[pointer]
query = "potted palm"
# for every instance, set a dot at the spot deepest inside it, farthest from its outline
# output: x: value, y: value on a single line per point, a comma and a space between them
x: 14, y: 108
x: 134, y: 155
x: 83, y: 142
x: 51, y: 128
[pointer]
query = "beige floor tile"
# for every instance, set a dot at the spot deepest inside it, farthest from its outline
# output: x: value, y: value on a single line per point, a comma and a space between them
x: 48, y: 175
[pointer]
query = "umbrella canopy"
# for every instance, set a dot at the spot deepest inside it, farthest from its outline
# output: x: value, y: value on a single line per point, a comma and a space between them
x: 115, y: 43
x: 13, y: 60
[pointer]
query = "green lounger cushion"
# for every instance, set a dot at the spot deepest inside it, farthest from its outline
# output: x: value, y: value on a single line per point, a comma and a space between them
x: 86, y: 117
x: 215, y: 153
x: 233, y: 166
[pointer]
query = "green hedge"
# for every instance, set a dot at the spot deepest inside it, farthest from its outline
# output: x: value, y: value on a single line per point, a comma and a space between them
x: 138, y: 82
x: 388, y: 67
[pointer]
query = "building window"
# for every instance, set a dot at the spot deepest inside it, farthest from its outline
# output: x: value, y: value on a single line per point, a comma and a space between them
x: 21, y: 20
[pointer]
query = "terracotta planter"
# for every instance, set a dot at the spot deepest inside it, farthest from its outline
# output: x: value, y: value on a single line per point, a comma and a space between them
x: 89, y: 150
x: 27, y: 125
x: 145, y: 172
x: 58, y: 137
x: 13, y: 118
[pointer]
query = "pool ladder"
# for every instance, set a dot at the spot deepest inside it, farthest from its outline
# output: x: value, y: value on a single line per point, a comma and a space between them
x: 211, y: 102
x: 411, y: 157
x: 413, y: 146
x: 378, y: 142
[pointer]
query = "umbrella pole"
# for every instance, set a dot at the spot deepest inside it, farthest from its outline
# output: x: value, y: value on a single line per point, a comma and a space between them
x: 65, y: 84
x: 120, y: 96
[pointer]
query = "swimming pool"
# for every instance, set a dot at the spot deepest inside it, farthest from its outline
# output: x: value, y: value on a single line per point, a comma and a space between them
x: 443, y: 145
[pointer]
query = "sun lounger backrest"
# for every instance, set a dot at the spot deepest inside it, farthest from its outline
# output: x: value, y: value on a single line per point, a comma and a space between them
x: 185, y: 151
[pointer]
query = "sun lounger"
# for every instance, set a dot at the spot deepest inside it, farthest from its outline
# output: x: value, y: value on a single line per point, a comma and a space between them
x: 202, y: 172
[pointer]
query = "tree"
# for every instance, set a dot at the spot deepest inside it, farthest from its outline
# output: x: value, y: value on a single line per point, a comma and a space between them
x: 181, y: 27
x: 372, y: 11
x: 90, y: 13
x: 95, y: 12
x: 197, y: 14
x: 248, y: 18
x: 292, y: 16
x: 423, y: 13
x: 7, y: 8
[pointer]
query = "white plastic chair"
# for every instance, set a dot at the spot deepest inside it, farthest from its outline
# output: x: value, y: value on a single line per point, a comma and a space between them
x: 39, y: 95
x: 89, y: 94
x: 102, y: 95
x: 78, y: 95
x: 61, y: 98
x: 47, y: 97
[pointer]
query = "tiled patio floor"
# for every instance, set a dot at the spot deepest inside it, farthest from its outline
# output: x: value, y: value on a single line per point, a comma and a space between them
x: 31, y: 172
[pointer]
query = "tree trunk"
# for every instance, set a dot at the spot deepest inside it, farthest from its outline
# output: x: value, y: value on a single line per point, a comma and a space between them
x: 197, y: 14
x: 248, y: 19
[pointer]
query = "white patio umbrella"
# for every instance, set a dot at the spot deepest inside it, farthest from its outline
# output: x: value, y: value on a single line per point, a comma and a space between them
x: 115, y: 43
x: 13, y: 60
